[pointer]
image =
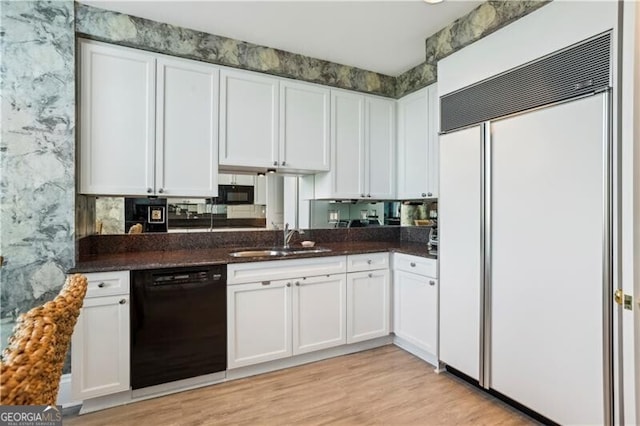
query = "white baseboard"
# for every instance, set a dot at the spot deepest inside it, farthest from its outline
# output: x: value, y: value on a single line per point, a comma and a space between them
x: 65, y: 397
x: 127, y: 397
x: 417, y: 351
x: 266, y: 367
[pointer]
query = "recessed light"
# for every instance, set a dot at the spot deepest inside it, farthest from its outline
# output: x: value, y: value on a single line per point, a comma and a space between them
x: 433, y: 1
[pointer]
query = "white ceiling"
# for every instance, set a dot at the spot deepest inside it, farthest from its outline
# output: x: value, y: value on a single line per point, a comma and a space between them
x: 383, y: 36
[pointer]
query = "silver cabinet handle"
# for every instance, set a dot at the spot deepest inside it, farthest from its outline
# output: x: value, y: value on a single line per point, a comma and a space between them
x: 370, y: 275
x: 369, y: 195
x: 266, y: 282
x: 284, y: 163
x: 413, y: 264
x: 362, y: 195
x: 122, y: 301
x: 275, y: 163
x: 298, y: 283
x: 424, y: 194
x: 149, y: 190
x: 288, y: 284
x: 369, y: 262
x: 432, y: 282
x: 101, y: 285
x: 160, y: 191
x: 429, y: 194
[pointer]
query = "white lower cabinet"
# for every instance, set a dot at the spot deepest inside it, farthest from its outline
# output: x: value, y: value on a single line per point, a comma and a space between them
x: 415, y: 320
x: 100, y: 341
x: 319, y: 313
x: 368, y: 294
x: 279, y: 316
x: 258, y: 322
x: 269, y: 320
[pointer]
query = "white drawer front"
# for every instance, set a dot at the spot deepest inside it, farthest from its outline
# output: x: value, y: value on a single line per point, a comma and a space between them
x: 415, y: 264
x: 367, y: 262
x: 107, y: 283
x: 238, y: 273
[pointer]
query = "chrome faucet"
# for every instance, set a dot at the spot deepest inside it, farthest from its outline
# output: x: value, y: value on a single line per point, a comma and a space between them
x: 288, y: 233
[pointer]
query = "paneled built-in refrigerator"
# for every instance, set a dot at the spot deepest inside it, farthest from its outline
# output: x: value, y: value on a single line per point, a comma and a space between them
x: 525, y: 235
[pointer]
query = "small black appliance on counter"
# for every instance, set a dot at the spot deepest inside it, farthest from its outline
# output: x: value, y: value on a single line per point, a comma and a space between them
x: 151, y: 213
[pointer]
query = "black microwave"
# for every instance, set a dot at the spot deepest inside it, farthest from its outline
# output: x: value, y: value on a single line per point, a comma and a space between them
x: 235, y: 194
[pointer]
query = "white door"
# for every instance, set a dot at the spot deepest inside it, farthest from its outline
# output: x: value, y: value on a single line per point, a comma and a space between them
x: 416, y: 310
x: 368, y: 295
x: 258, y: 322
x: 413, y: 146
x: 347, y: 144
x: 459, y: 228
x: 547, y: 276
x: 304, y: 127
x: 100, y: 348
x: 117, y: 120
x: 187, y: 129
x: 319, y: 313
x: 248, y: 119
x: 380, y: 157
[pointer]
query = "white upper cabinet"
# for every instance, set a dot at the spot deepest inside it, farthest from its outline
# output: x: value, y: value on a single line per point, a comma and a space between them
x: 148, y: 123
x: 304, y: 127
x: 187, y: 129
x: 418, y: 123
x: 248, y: 120
x: 266, y: 122
x: 362, y: 148
x: 117, y: 119
x: 380, y: 134
x: 225, y: 179
x: 346, y: 179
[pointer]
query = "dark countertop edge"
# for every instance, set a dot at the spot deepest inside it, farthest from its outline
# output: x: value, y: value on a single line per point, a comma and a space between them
x: 220, y: 256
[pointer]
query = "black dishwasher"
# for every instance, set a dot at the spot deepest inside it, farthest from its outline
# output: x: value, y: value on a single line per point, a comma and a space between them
x: 178, y: 324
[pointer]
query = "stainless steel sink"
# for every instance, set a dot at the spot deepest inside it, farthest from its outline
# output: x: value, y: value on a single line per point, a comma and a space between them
x: 279, y: 252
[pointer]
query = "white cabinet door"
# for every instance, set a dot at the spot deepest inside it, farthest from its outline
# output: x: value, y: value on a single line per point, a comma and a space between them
x: 225, y: 179
x: 380, y: 159
x: 248, y: 119
x: 117, y: 116
x: 416, y: 310
x: 319, y: 313
x: 100, y: 348
x: 347, y: 146
x: 259, y: 322
x: 248, y: 180
x: 367, y: 305
x: 304, y: 127
x: 187, y: 129
x: 413, y: 146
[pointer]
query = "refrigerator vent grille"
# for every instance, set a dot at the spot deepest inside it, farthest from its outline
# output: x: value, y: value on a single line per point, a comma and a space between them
x: 575, y: 71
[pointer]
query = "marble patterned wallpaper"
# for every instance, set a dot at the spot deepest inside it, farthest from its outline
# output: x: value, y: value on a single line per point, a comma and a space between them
x: 37, y: 151
x: 118, y: 28
x: 480, y: 22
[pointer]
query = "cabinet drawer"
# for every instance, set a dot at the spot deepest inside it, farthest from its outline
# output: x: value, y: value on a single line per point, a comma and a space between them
x: 367, y: 262
x: 107, y: 283
x: 238, y: 273
x: 415, y: 264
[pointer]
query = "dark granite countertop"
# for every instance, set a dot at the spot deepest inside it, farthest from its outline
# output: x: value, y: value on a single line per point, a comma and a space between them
x: 217, y: 256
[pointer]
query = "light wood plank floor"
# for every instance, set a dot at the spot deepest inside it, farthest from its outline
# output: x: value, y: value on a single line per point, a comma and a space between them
x: 381, y: 386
